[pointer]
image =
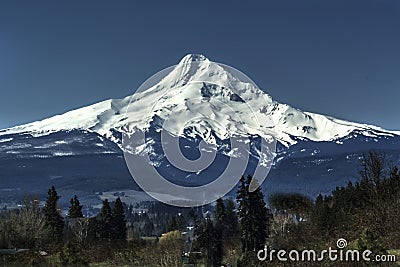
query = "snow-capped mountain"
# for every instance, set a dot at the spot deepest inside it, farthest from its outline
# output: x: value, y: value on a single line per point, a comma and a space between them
x: 81, y: 151
x: 198, y: 85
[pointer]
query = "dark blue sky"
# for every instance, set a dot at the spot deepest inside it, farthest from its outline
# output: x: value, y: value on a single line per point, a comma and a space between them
x: 340, y: 58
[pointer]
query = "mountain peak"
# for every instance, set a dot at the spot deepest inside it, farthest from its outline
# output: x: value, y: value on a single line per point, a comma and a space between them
x: 226, y: 100
x: 193, y: 58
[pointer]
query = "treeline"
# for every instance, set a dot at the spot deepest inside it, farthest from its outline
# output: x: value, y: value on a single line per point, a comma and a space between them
x: 236, y: 232
x: 52, y: 239
x: 229, y: 233
x: 150, y: 218
x: 206, y: 235
x: 369, y: 208
x: 365, y: 213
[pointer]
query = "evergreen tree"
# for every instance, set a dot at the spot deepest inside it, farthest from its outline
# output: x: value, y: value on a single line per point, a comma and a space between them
x: 193, y: 216
x: 119, y: 221
x: 148, y: 227
x: 231, y: 223
x: 220, y: 212
x: 261, y: 217
x: 105, y: 219
x: 254, y: 216
x: 244, y: 211
x: 75, y: 210
x: 172, y: 224
x: 207, y: 240
x: 54, y: 220
x: 181, y: 222
x: 219, y: 231
x: 318, y: 214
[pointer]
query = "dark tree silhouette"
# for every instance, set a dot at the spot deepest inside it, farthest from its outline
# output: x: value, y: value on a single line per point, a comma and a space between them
x: 75, y: 210
x: 172, y: 224
x: 231, y: 223
x: 118, y: 220
x: 105, y: 219
x: 54, y: 220
x: 207, y: 238
x: 254, y: 216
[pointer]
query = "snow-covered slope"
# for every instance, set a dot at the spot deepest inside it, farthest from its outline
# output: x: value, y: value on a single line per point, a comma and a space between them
x: 228, y: 106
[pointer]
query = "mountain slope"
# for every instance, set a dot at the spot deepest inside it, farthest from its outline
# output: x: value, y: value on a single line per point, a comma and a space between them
x: 81, y: 151
x: 199, y: 86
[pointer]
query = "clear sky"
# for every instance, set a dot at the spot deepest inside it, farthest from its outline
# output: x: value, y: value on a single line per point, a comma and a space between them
x: 340, y: 58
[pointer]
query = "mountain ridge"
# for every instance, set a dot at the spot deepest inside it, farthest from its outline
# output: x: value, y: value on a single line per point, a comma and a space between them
x: 80, y: 151
x: 198, y: 85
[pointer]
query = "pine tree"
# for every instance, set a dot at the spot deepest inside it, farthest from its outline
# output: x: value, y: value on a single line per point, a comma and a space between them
x: 75, y: 210
x: 244, y: 211
x: 219, y: 231
x: 207, y: 240
x: 119, y: 221
x: 193, y: 216
x: 254, y: 216
x: 181, y: 222
x: 231, y: 222
x: 54, y: 220
x: 105, y: 219
x: 172, y: 224
x: 261, y: 217
x: 148, y: 227
x: 220, y: 211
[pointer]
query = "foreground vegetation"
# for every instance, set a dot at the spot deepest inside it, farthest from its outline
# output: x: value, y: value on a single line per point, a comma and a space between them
x: 230, y: 233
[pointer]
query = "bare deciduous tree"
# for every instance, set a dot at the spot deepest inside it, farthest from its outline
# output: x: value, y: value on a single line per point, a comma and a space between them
x: 81, y: 230
x: 25, y: 228
x: 280, y: 224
